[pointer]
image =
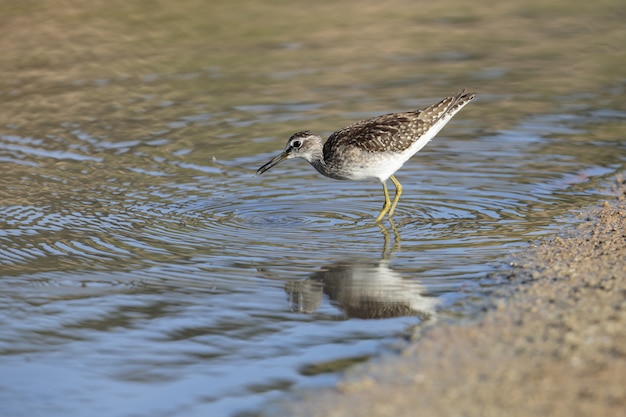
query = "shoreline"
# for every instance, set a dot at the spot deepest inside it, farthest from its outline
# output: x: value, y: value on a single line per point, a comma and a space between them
x: 552, y: 343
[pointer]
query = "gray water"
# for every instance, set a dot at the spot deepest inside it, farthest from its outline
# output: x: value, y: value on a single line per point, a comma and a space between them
x: 145, y: 269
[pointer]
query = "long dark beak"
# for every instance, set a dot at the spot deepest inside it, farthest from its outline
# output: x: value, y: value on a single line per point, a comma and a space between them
x: 275, y: 161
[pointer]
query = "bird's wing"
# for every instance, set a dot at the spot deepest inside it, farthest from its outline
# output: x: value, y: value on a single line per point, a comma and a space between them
x: 393, y: 132
x: 383, y: 133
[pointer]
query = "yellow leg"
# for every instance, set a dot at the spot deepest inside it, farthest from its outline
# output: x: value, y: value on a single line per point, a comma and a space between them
x: 398, y: 194
x: 386, y: 205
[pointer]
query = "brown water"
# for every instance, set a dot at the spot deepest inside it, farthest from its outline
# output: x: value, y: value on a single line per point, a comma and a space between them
x: 147, y: 271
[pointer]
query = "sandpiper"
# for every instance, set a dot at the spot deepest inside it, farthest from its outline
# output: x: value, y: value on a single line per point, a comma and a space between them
x: 374, y: 148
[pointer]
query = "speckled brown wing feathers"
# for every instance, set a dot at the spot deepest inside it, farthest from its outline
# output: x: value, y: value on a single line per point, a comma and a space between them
x: 392, y: 132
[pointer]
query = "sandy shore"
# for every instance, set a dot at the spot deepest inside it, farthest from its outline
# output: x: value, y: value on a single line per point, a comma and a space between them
x: 554, y: 343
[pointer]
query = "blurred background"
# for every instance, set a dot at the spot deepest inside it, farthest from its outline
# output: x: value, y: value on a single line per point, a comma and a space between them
x: 145, y: 270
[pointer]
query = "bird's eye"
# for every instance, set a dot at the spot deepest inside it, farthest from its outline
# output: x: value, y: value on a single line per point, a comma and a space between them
x: 296, y: 144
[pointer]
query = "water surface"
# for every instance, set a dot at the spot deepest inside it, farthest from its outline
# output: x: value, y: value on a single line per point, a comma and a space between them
x: 145, y: 269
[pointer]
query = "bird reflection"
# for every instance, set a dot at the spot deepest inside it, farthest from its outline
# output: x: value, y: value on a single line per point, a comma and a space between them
x: 361, y: 288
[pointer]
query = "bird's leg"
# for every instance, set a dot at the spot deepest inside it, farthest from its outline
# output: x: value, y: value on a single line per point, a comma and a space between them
x: 389, y: 250
x: 386, y: 205
x: 398, y: 194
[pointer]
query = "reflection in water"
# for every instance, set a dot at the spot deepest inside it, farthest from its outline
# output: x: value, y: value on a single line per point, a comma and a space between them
x: 363, y: 288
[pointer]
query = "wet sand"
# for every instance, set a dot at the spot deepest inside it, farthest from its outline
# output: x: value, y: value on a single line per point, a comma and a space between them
x: 553, y: 343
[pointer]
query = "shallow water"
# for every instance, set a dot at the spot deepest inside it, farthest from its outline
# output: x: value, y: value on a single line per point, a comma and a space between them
x: 147, y: 271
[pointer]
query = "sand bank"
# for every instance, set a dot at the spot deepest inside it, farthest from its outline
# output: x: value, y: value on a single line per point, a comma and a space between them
x: 552, y: 344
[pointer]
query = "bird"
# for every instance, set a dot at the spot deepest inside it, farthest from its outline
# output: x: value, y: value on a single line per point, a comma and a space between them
x: 375, y: 148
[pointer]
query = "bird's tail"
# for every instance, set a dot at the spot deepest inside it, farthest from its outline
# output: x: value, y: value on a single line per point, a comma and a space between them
x: 447, y: 107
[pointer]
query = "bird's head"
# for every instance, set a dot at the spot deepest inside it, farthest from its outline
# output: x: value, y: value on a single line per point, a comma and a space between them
x: 305, y: 144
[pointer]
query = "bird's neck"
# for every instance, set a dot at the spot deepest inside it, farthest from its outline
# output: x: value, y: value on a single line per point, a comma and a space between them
x: 323, y: 168
x: 316, y: 159
x: 320, y: 165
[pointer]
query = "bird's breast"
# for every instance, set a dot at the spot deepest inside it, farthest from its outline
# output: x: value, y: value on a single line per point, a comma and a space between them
x: 361, y: 165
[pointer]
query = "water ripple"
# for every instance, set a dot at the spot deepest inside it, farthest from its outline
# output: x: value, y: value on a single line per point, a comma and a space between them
x: 159, y: 258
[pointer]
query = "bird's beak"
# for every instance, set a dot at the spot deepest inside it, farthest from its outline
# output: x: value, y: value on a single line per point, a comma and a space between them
x: 275, y: 161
